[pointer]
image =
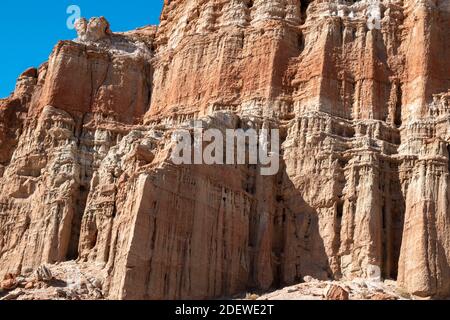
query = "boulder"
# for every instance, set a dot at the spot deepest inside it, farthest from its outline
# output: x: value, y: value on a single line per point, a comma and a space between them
x: 334, y: 292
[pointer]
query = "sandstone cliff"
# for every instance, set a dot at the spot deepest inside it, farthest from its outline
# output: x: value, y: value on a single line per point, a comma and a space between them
x: 363, y: 108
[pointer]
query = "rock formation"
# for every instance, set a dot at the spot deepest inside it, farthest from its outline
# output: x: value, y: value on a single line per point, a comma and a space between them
x: 358, y: 89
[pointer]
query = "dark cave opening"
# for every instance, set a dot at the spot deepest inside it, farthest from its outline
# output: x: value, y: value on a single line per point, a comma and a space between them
x: 448, y: 158
x: 398, y: 107
x: 340, y: 209
x: 301, y: 42
x: 304, y: 4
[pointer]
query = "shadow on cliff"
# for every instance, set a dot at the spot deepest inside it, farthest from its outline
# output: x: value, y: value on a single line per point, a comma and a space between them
x: 309, y: 257
x: 298, y: 249
x: 393, y: 224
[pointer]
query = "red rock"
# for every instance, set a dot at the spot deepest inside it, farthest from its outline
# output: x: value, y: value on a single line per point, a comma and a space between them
x: 362, y: 192
x: 29, y: 285
x: 336, y: 293
x: 9, y: 276
x: 30, y: 73
x: 8, y: 284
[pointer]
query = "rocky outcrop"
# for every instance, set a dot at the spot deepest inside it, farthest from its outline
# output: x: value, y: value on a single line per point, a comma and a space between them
x: 360, y: 289
x: 358, y: 89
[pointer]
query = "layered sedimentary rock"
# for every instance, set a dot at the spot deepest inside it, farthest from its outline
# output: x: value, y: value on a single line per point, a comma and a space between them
x: 359, y: 91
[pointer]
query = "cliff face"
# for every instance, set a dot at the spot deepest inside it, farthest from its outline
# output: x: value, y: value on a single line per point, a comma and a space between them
x: 363, y: 110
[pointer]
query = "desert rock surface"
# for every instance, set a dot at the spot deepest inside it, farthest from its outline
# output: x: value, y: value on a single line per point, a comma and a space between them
x: 362, y: 106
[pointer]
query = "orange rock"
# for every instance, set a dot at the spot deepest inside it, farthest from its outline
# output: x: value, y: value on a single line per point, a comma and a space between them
x: 363, y: 185
x: 29, y: 285
x: 9, y: 276
x: 8, y: 284
x: 336, y: 293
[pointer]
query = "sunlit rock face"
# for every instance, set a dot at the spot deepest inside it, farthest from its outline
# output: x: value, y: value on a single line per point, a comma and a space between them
x: 359, y: 91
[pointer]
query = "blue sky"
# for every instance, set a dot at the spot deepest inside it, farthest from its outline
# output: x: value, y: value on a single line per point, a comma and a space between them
x: 29, y: 29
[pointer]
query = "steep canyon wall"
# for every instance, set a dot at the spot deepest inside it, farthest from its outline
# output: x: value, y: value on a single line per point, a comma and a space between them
x: 363, y: 111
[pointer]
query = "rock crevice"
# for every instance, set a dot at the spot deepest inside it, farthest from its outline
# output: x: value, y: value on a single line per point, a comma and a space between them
x: 358, y: 89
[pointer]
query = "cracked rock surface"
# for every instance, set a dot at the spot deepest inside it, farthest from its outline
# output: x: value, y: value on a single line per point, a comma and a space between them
x: 363, y: 191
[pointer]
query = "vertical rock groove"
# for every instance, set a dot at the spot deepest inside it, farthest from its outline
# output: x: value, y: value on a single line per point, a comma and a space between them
x: 363, y: 112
